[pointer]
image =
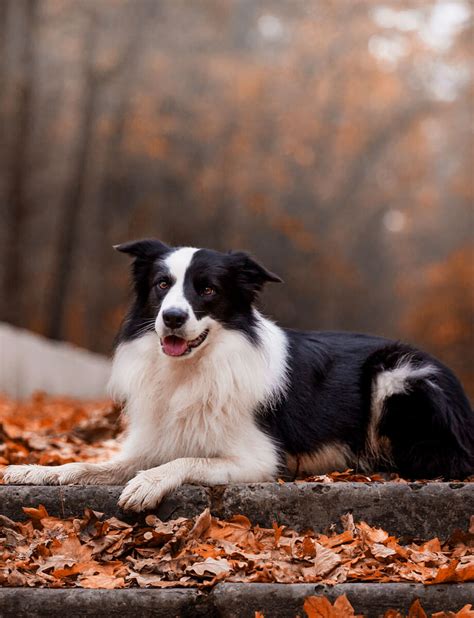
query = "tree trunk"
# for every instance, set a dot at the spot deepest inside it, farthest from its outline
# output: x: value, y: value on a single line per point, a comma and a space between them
x: 115, y: 193
x: 16, y: 192
x: 73, y: 200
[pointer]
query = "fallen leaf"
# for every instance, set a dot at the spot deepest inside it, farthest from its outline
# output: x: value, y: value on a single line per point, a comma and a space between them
x: 325, y: 560
x: 101, y: 581
x: 210, y: 566
x: 318, y: 607
x: 36, y: 514
x: 202, y: 524
x: 416, y: 611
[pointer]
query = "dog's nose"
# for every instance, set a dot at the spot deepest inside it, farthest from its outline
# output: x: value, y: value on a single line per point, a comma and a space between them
x: 174, y: 318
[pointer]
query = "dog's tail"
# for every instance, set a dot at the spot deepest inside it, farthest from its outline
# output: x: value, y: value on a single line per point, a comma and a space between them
x: 421, y: 422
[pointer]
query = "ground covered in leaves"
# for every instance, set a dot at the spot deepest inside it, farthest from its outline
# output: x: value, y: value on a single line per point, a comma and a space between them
x: 92, y: 552
x: 56, y: 430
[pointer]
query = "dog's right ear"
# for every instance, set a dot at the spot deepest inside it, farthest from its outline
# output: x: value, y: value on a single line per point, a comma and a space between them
x: 146, y: 249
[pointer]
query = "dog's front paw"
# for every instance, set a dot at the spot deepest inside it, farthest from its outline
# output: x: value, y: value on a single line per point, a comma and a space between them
x: 31, y: 475
x: 147, y: 489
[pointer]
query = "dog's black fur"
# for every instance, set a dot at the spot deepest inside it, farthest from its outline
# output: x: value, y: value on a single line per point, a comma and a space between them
x: 430, y: 427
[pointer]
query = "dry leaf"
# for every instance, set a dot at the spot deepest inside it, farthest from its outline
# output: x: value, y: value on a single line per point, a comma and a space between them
x: 210, y: 566
x: 325, y: 560
x: 36, y: 514
x: 102, y: 581
x: 416, y: 611
x: 202, y: 524
x: 320, y: 607
x: 347, y: 521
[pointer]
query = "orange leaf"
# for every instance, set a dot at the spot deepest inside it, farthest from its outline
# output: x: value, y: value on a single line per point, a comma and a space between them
x: 343, y: 607
x: 308, y: 547
x: 241, y: 520
x: 339, y: 539
x: 37, y: 514
x: 318, y: 607
x: 447, y: 573
x: 278, y: 531
x: 465, y: 574
x: 416, y: 611
x: 72, y: 548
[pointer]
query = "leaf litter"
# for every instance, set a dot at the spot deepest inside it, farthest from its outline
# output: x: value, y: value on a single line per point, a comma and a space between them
x: 50, y: 430
x: 94, y: 552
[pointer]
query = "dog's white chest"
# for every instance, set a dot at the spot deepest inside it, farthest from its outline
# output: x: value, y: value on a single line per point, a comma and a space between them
x: 182, y: 409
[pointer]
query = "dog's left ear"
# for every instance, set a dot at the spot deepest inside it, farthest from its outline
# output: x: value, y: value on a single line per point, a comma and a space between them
x: 251, y: 273
x: 146, y: 249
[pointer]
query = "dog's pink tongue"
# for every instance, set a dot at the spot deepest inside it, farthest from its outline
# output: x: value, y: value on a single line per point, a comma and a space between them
x: 174, y: 346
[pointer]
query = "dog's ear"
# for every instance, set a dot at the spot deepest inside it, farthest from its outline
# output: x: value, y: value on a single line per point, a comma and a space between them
x: 145, y: 253
x: 250, y: 273
x: 146, y: 249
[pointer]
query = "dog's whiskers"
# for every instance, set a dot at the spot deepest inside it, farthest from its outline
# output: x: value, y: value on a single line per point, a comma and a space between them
x: 146, y: 326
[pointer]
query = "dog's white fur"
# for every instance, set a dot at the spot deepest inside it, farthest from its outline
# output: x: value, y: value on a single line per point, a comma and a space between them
x: 387, y: 383
x: 183, y: 417
x: 177, y: 263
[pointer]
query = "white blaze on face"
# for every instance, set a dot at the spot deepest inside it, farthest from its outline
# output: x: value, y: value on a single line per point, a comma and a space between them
x: 178, y: 263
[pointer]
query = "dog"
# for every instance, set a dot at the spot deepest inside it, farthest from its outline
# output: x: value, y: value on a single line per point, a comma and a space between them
x: 217, y: 393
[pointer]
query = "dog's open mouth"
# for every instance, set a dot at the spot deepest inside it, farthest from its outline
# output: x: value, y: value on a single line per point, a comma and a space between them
x: 177, y: 346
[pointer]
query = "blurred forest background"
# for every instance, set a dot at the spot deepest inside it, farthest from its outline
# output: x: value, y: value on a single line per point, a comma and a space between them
x: 330, y: 138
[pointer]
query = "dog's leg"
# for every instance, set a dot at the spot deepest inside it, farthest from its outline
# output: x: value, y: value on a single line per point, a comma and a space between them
x: 114, y: 472
x: 149, y: 487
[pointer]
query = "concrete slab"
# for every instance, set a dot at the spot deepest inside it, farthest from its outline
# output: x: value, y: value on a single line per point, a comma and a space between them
x: 407, y: 510
x: 227, y: 600
x: 286, y: 600
x: 78, y: 603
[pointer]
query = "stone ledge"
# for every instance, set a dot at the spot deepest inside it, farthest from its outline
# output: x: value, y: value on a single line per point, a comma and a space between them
x: 286, y: 600
x: 227, y: 600
x: 407, y: 510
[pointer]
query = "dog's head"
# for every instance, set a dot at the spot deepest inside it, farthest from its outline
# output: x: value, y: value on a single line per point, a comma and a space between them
x: 185, y: 293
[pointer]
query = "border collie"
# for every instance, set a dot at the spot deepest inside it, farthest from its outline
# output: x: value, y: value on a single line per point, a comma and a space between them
x: 217, y: 393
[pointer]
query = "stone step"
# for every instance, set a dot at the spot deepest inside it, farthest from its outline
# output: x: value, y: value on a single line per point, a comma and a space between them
x: 405, y: 510
x: 227, y: 600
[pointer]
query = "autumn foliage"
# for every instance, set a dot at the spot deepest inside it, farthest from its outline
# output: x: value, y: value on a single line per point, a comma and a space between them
x: 440, y: 312
x: 93, y: 552
x: 331, y: 139
x: 56, y: 430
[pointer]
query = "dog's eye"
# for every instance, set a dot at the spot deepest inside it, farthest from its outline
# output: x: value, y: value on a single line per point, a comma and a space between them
x: 163, y: 284
x: 208, y: 291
